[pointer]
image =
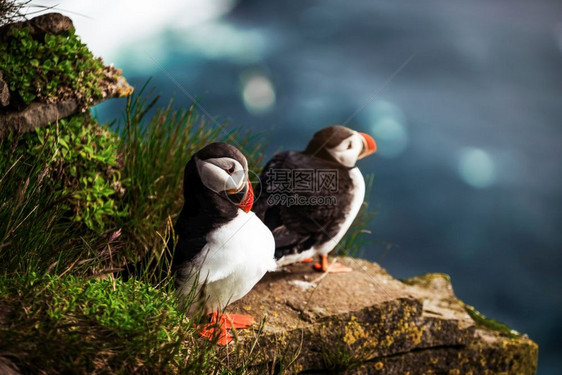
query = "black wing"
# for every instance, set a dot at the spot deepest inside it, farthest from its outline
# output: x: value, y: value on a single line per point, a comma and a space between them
x: 297, y: 226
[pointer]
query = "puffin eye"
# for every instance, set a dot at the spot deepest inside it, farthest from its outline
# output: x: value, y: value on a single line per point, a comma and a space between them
x: 230, y: 170
x: 349, y: 146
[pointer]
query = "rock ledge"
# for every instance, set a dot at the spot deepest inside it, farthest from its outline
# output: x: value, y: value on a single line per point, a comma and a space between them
x: 368, y: 322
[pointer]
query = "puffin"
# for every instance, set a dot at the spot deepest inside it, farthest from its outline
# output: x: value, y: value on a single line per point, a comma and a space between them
x: 221, y: 249
x: 310, y: 198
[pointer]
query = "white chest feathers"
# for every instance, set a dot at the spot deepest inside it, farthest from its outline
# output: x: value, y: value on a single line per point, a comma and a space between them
x: 235, y: 258
x: 357, y: 197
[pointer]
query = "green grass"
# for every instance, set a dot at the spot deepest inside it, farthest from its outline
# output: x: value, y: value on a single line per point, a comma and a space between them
x: 92, y: 324
x: 34, y: 229
x: 105, y: 326
x: 55, y: 269
x: 80, y: 163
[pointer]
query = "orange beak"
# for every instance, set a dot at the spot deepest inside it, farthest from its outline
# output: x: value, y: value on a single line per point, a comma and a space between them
x: 248, y: 200
x: 369, y: 145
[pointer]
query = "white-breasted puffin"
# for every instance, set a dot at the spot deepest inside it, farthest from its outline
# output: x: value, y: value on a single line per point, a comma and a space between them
x: 223, y: 249
x: 314, y: 223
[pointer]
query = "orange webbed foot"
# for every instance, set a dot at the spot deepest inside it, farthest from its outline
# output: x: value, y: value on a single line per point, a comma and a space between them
x: 212, y: 331
x: 239, y: 321
x: 219, y: 323
x: 307, y: 260
x: 335, y: 267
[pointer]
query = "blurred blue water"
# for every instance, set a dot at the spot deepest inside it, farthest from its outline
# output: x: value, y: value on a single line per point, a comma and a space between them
x: 468, y: 180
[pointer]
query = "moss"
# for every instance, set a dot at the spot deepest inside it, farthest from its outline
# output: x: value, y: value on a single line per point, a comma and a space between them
x: 339, y: 356
x: 50, y: 68
x: 492, y: 324
x: 426, y: 279
x: 81, y: 167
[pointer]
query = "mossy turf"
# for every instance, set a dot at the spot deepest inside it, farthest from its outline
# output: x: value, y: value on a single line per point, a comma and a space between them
x: 80, y: 160
x: 50, y: 67
x: 91, y: 325
x: 491, y: 324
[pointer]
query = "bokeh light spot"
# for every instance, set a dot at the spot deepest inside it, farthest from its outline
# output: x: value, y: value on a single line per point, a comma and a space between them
x: 258, y: 93
x: 476, y: 168
x: 388, y: 129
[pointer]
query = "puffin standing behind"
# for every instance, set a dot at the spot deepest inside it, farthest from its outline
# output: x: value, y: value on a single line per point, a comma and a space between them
x: 309, y: 199
x: 223, y: 249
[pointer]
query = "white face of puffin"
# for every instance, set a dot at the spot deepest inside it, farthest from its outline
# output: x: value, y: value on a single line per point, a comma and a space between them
x: 222, y: 174
x: 353, y: 148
